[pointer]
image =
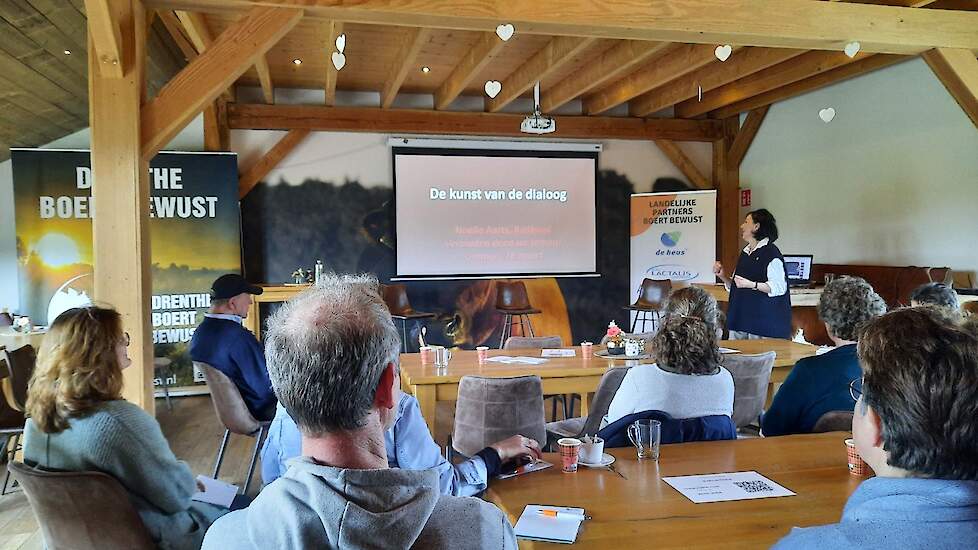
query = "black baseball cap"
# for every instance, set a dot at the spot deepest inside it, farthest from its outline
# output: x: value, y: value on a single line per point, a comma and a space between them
x: 230, y: 285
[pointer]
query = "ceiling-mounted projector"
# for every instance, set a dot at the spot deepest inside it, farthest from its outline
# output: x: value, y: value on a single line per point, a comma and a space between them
x: 538, y: 123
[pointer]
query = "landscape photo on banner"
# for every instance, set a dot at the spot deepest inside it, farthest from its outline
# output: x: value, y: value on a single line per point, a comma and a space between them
x: 194, y: 233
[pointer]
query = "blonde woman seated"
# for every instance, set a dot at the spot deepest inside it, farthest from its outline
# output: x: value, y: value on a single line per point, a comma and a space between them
x: 686, y: 381
x: 79, y: 422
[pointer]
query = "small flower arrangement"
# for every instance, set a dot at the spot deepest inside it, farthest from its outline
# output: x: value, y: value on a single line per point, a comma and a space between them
x: 615, y: 342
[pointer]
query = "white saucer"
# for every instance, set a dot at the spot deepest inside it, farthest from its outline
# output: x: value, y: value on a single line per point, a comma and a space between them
x: 606, y: 460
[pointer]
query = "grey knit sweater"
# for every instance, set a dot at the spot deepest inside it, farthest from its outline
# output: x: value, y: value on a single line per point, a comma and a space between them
x: 120, y: 439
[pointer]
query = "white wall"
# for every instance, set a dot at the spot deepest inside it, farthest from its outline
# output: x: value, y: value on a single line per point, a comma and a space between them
x: 190, y: 139
x: 892, y: 180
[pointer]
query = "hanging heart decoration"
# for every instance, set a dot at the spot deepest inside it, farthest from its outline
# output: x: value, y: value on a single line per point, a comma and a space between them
x: 339, y: 60
x: 493, y: 87
x: 505, y: 31
x: 852, y: 49
x: 341, y: 42
x: 827, y: 114
x: 723, y: 52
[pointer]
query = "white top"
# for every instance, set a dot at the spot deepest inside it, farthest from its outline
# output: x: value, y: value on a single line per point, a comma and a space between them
x: 647, y: 387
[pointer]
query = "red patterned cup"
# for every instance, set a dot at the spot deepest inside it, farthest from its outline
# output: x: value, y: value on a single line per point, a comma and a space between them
x: 857, y: 466
x: 427, y: 355
x: 483, y: 353
x: 569, y: 448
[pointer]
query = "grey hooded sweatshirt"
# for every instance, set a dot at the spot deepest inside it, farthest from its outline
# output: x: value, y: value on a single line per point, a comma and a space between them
x: 314, y: 506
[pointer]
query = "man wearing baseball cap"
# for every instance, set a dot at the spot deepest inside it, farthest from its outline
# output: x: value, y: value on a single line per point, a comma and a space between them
x: 221, y: 342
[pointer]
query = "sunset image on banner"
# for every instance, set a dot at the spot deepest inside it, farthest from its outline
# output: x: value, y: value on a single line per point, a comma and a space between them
x: 194, y: 231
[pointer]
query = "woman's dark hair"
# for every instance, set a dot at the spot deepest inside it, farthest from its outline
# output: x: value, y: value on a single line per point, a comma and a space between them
x: 920, y: 376
x: 938, y: 294
x: 687, y: 345
x: 768, y: 228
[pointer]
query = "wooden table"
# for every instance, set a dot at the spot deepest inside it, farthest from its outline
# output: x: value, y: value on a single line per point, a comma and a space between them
x: 800, y: 297
x: 560, y: 375
x: 645, y: 512
x: 270, y: 294
x: 11, y: 339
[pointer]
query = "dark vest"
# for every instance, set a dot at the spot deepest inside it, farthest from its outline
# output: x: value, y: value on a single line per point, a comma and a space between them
x: 753, y: 311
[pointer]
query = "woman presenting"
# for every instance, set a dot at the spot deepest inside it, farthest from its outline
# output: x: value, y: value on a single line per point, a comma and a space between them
x: 759, y: 306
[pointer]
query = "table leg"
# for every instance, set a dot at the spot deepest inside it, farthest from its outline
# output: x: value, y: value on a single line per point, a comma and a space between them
x: 426, y: 400
x: 586, y: 398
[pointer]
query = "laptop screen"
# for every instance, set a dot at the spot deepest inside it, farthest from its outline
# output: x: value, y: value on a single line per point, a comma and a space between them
x: 799, y: 268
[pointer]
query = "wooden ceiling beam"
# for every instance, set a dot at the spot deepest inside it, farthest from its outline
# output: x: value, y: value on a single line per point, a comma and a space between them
x: 265, y: 79
x: 799, y: 24
x: 195, y: 26
x: 250, y: 178
x: 175, y: 28
x: 478, y: 56
x: 552, y: 57
x: 747, y: 61
x: 360, y: 119
x: 415, y: 40
x: 958, y: 71
x: 611, y: 65
x: 333, y: 30
x: 685, y: 165
x: 674, y: 62
x: 106, y: 37
x: 863, y: 66
x: 200, y: 82
x: 782, y: 74
x: 745, y: 136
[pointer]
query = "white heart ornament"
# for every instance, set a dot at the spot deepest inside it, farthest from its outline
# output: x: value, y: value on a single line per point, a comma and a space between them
x: 827, y: 115
x: 339, y: 60
x: 341, y: 42
x: 505, y: 32
x: 493, y: 87
x: 723, y: 52
x: 852, y: 49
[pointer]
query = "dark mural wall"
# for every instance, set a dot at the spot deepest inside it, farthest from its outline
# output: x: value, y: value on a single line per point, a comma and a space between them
x: 348, y: 226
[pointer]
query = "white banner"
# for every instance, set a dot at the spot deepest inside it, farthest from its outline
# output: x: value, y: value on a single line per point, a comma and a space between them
x: 673, y: 237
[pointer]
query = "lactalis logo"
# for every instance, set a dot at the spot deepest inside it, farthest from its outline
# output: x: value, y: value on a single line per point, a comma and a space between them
x: 671, y: 271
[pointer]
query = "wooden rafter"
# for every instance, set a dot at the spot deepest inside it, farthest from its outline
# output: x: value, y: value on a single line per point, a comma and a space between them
x: 799, y: 24
x: 195, y: 26
x: 685, y: 165
x: 782, y: 74
x: 820, y: 80
x: 106, y: 36
x: 676, y: 61
x: 250, y: 178
x: 175, y: 29
x: 958, y: 71
x: 608, y: 67
x: 333, y: 30
x: 552, y: 57
x: 747, y: 61
x: 200, y: 82
x: 746, y: 135
x: 265, y: 78
x: 415, y: 40
x: 359, y: 119
x: 485, y: 48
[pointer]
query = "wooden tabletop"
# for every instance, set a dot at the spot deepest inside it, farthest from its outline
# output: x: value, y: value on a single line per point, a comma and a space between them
x: 466, y: 362
x: 645, y: 512
x: 799, y: 296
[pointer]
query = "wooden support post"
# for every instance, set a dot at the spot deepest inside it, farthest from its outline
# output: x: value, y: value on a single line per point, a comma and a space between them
x: 333, y: 30
x: 121, y: 187
x: 104, y: 37
x: 746, y: 135
x: 957, y: 69
x: 216, y: 131
x: 686, y: 166
x: 248, y: 180
x: 726, y: 180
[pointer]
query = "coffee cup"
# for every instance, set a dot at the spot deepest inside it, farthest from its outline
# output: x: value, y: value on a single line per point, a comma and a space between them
x: 427, y: 355
x: 569, y: 449
x: 483, y: 353
x: 586, y: 348
x: 592, y: 450
x: 857, y: 466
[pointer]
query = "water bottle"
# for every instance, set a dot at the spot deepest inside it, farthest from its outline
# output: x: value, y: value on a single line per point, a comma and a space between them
x: 319, y: 270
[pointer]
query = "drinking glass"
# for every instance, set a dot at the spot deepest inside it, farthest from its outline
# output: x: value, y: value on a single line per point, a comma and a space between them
x: 442, y: 357
x: 646, y: 436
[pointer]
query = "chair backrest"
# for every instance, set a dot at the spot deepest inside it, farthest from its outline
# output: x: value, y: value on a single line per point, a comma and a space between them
x: 834, y: 421
x: 534, y: 342
x: 674, y: 430
x: 20, y: 366
x: 396, y: 298
x: 230, y: 407
x: 82, y: 510
x: 654, y: 293
x: 607, y: 388
x: 511, y: 295
x: 491, y: 409
x: 751, y: 374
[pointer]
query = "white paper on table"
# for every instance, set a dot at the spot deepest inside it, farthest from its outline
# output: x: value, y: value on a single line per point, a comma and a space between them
x: 215, y: 492
x: 505, y: 359
x: 727, y: 486
x: 534, y: 526
x: 728, y: 350
x: 558, y: 353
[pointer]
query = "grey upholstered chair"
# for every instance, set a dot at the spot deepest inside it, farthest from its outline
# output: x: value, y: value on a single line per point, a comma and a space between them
x: 234, y: 414
x: 491, y: 409
x: 82, y: 510
x: 16, y: 368
x: 575, y: 427
x: 834, y: 421
x: 751, y: 374
x: 541, y: 342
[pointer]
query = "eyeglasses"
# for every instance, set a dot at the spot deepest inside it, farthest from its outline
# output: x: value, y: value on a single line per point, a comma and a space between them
x: 125, y: 338
x: 856, y: 389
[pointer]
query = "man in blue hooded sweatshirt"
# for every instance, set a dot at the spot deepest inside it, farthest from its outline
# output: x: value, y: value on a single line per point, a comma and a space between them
x: 916, y: 425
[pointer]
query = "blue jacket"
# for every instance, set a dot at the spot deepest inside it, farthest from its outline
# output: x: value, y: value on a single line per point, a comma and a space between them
x: 904, y: 513
x: 673, y: 430
x: 232, y: 349
x: 815, y: 386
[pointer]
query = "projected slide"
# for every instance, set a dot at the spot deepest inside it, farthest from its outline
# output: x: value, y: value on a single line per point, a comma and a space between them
x: 468, y: 214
